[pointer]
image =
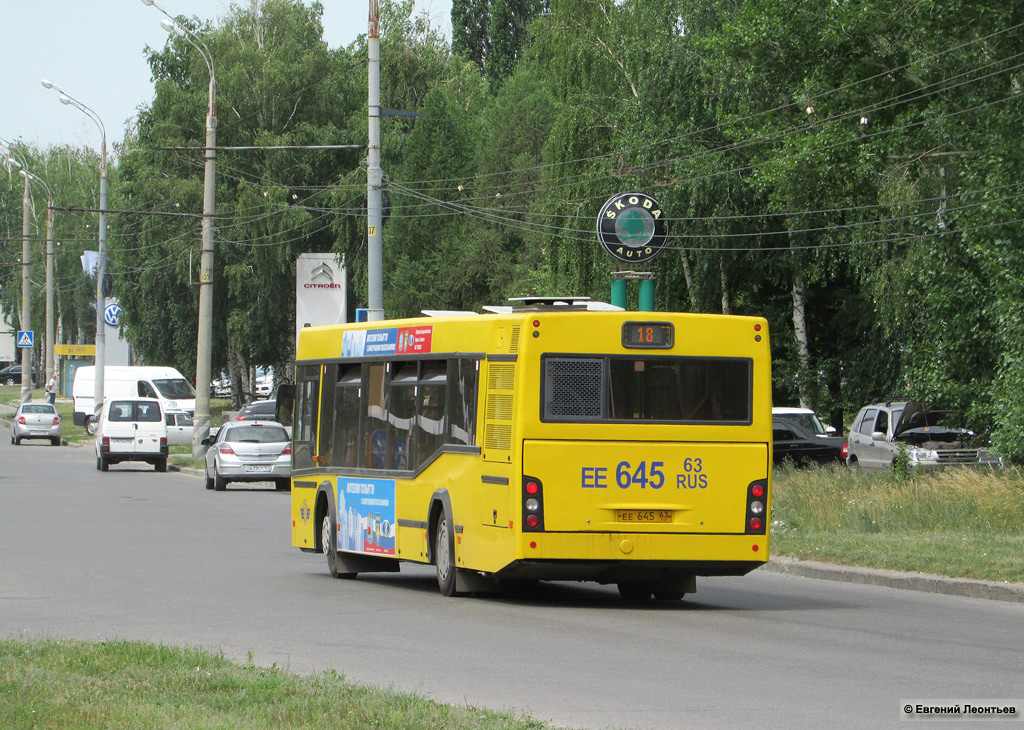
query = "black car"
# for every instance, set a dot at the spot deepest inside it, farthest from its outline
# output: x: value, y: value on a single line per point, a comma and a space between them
x: 11, y: 375
x: 792, y: 442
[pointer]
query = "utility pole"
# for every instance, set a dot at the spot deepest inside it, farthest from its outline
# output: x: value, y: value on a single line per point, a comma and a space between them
x: 204, y: 349
x: 374, y: 176
x: 49, y: 290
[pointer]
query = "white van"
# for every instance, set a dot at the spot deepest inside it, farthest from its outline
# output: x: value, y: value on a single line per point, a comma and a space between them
x: 131, y: 430
x: 164, y: 384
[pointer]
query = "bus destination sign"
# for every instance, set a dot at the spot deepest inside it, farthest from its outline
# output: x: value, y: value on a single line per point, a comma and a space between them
x: 648, y: 335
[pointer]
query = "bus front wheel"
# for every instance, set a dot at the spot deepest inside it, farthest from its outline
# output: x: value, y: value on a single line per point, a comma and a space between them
x: 327, y: 543
x: 444, y: 556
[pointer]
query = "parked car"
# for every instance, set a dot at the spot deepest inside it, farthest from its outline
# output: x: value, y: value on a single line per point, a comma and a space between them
x: 179, y: 428
x: 806, y: 418
x: 131, y: 430
x: 36, y: 421
x: 881, y: 429
x: 794, y: 443
x: 260, y: 410
x: 11, y: 375
x: 249, y: 451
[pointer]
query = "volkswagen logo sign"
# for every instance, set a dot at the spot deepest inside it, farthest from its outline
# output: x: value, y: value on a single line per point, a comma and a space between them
x: 112, y: 314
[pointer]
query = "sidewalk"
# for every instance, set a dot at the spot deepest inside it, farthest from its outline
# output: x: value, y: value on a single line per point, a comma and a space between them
x: 926, y: 582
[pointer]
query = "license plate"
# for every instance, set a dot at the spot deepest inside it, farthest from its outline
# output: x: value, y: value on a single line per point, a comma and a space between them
x: 258, y: 468
x: 643, y: 515
x: 121, y: 441
x: 39, y: 432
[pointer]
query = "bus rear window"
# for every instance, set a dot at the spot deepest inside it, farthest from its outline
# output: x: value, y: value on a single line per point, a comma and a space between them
x: 660, y: 389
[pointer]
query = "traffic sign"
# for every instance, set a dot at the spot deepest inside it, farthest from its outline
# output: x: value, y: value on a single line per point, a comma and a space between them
x: 26, y: 338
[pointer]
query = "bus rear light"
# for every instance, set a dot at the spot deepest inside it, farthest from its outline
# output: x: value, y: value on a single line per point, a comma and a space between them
x: 757, y: 508
x: 533, y: 504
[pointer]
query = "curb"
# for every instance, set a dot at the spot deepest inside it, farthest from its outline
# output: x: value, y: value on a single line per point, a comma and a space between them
x: 925, y: 582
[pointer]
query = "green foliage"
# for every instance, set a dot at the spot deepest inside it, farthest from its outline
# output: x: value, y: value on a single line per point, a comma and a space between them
x: 851, y: 171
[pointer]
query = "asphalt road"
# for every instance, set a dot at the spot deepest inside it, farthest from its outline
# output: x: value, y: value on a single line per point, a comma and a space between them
x: 133, y: 554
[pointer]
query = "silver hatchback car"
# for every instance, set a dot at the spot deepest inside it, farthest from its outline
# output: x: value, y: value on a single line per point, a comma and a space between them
x: 249, y: 451
x: 36, y: 421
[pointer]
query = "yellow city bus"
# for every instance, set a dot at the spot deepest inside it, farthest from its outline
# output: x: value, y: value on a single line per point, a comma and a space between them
x: 544, y: 441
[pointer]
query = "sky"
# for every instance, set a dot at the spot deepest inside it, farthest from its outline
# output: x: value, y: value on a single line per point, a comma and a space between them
x: 93, y: 50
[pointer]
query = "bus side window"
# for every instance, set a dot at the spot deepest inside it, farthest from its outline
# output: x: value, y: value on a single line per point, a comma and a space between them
x: 373, y: 436
x: 401, y: 415
x: 462, y: 394
x: 430, y: 405
x: 347, y: 412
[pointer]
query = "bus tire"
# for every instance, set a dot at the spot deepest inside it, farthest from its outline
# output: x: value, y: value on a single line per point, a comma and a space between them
x: 444, y: 555
x: 328, y: 541
x: 635, y: 591
x: 669, y: 595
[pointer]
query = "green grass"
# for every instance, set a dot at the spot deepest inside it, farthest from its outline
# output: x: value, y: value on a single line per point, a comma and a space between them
x: 70, y: 684
x: 958, y: 522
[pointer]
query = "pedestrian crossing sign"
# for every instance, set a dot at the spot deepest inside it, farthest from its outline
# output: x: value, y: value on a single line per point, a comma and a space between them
x: 26, y: 338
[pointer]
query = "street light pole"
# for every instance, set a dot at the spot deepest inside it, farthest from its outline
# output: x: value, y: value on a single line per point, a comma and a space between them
x: 204, y: 345
x: 26, y: 293
x: 101, y: 264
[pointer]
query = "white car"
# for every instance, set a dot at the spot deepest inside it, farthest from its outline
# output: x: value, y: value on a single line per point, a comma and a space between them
x: 179, y: 428
x: 249, y: 451
x: 881, y: 430
x: 805, y: 418
x: 131, y: 430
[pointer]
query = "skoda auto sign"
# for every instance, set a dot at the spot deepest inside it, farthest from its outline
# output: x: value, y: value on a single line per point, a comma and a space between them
x: 112, y: 314
x: 631, y: 227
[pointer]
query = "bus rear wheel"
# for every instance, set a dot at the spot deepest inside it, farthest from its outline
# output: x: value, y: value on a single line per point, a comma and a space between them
x: 636, y: 591
x: 444, y: 556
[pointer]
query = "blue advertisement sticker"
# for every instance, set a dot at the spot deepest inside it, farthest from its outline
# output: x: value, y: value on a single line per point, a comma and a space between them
x: 366, y: 515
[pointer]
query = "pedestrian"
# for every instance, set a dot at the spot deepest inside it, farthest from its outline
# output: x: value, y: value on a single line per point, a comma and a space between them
x: 51, y: 389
